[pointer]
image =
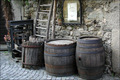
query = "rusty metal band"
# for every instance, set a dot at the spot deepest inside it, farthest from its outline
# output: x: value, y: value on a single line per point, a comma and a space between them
x: 61, y: 74
x: 81, y: 46
x: 32, y: 64
x: 93, y: 52
x: 60, y: 66
x: 91, y: 74
x: 60, y: 47
x: 31, y: 46
x: 81, y: 40
x: 60, y: 54
x: 91, y: 68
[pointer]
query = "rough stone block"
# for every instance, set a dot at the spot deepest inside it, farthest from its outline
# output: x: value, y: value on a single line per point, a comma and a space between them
x: 116, y: 50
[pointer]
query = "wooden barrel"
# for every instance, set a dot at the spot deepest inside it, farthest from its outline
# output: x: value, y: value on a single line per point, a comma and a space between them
x: 59, y: 57
x: 32, y: 54
x: 90, y: 57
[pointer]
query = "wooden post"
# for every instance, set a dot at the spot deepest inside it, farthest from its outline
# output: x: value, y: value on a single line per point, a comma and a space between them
x: 54, y: 19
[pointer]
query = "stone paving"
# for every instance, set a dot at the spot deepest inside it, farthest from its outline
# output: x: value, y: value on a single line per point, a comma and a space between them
x: 10, y: 70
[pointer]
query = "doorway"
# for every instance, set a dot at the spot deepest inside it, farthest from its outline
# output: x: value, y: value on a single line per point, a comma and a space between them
x: 3, y: 30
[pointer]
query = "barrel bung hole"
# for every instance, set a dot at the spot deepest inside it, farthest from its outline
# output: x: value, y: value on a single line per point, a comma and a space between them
x: 79, y: 59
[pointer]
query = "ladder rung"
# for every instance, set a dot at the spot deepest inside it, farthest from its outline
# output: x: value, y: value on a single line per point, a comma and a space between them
x: 42, y: 20
x: 43, y: 13
x: 46, y: 5
x: 41, y: 28
x: 45, y: 10
x: 40, y: 35
x: 41, y: 25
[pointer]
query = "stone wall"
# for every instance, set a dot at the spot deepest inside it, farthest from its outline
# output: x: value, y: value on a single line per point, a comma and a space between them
x: 30, y: 10
x: 17, y: 9
x: 100, y: 17
x: 24, y: 10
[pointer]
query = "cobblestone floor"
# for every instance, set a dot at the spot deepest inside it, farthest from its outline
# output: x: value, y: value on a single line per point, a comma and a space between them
x: 10, y: 70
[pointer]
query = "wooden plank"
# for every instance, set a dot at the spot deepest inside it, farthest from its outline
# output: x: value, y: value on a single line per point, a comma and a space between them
x: 42, y: 25
x: 46, y: 5
x: 41, y: 28
x: 43, y: 12
x: 40, y: 35
x: 42, y: 20
x: 23, y: 56
x: 54, y: 19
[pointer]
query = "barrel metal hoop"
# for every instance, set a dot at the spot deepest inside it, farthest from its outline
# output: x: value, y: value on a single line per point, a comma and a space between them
x: 59, y: 66
x: 91, y: 68
x: 81, y: 40
x: 58, y: 55
x: 32, y: 64
x: 89, y: 41
x: 61, y: 74
x: 91, y: 74
x: 61, y: 47
x: 31, y: 46
x: 95, y: 52
x: 90, y: 46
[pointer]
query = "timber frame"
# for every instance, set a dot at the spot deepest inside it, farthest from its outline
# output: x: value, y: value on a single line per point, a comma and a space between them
x: 80, y: 15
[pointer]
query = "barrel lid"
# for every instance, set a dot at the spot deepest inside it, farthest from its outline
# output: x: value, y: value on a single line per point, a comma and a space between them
x: 60, y: 42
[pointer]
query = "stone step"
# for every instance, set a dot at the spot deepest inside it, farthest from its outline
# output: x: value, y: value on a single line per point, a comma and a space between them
x: 3, y: 47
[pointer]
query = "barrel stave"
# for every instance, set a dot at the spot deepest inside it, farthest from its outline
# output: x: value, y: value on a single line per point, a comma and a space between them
x: 33, y: 54
x: 90, y: 57
x: 60, y: 59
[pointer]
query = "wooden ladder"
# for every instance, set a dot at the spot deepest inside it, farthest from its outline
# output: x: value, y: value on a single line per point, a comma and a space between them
x: 43, y: 18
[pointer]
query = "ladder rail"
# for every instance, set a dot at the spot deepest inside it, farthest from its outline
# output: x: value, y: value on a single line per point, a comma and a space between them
x: 38, y: 20
x: 49, y: 18
x: 38, y: 9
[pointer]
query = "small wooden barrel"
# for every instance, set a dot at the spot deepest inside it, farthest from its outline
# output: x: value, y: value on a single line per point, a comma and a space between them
x: 90, y: 57
x: 32, y: 54
x: 59, y: 57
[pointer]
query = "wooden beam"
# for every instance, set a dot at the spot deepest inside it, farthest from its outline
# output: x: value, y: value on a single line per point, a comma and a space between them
x: 49, y: 18
x: 54, y: 19
x: 38, y: 9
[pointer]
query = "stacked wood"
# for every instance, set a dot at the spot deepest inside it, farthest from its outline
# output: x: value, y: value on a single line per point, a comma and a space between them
x: 60, y: 57
x: 33, y: 53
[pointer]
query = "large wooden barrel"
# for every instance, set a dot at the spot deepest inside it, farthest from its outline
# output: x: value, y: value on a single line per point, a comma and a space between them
x: 59, y: 57
x: 32, y: 54
x: 90, y: 57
